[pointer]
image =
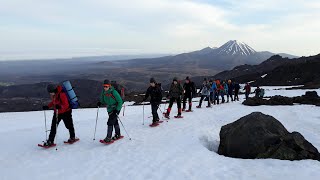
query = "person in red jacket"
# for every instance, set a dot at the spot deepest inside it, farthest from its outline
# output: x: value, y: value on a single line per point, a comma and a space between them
x: 60, y: 104
x: 247, y: 88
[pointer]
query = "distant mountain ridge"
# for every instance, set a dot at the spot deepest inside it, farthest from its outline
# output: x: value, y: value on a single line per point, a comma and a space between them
x: 278, y: 71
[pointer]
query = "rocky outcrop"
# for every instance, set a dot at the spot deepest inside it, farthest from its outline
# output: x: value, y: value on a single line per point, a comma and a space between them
x: 262, y: 136
x: 311, y: 97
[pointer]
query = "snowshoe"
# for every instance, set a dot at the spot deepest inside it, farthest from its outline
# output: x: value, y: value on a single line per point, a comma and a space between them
x: 117, y: 137
x: 71, y: 140
x: 189, y: 110
x: 154, y: 124
x: 198, y: 107
x: 106, y: 141
x: 47, y: 144
x: 178, y: 116
x: 208, y: 106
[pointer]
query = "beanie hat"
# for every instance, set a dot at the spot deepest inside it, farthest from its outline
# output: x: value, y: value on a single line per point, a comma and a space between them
x: 106, y: 82
x: 187, y: 78
x: 152, y: 80
x: 51, y: 88
x: 175, y: 79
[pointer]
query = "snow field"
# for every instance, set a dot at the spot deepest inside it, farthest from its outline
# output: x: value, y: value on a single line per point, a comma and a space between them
x: 177, y: 149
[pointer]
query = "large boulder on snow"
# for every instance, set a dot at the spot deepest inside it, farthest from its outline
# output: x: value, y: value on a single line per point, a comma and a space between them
x: 262, y: 136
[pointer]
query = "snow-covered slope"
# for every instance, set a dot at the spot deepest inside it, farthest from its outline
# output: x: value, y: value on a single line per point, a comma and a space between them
x: 234, y: 47
x: 178, y: 149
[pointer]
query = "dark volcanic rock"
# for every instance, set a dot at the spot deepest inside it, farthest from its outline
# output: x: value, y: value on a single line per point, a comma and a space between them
x: 255, y: 101
x: 280, y: 100
x: 293, y: 146
x: 250, y: 136
x: 311, y: 97
x: 275, y: 100
x: 261, y: 136
x: 311, y: 94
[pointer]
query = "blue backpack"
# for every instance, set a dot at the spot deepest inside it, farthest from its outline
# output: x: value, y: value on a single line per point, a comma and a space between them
x: 71, y: 95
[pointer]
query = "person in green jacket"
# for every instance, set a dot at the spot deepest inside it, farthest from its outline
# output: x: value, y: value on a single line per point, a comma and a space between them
x: 112, y: 99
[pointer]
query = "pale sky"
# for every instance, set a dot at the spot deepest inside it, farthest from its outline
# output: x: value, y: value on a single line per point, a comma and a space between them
x: 35, y: 29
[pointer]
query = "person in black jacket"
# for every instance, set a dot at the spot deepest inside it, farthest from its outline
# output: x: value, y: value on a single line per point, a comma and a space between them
x: 189, y: 92
x: 236, y: 91
x: 175, y: 92
x: 230, y: 90
x: 155, y: 92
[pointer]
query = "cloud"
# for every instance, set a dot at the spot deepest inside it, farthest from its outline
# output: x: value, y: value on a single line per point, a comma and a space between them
x: 156, y: 26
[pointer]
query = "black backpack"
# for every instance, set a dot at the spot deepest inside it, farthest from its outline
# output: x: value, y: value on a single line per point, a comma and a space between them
x: 118, y: 88
x: 161, y: 89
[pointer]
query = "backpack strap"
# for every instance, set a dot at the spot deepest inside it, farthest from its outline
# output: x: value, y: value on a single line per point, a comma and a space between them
x: 111, y: 95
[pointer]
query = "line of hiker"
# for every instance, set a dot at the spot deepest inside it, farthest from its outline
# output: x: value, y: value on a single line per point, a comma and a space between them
x: 63, y: 100
x: 213, y: 90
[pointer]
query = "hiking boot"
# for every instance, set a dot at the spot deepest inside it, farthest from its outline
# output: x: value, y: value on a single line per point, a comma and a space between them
x: 198, y: 107
x: 183, y: 109
x: 166, y: 115
x: 178, y: 116
x: 116, y: 136
x: 71, y: 140
x: 107, y: 140
x: 48, y: 143
x: 154, y: 124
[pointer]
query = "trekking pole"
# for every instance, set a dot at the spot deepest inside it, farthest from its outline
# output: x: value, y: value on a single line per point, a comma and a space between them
x: 165, y: 106
x: 45, y: 124
x: 124, y: 108
x: 143, y: 114
x: 124, y: 128
x: 95, y: 129
x: 159, y: 107
x: 57, y: 118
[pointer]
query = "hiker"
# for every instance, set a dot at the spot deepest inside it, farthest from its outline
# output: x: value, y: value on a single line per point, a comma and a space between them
x: 261, y: 94
x: 221, y: 90
x: 112, y: 99
x: 213, y: 89
x: 257, y: 92
x: 205, y: 92
x: 62, y: 111
x: 155, y: 92
x: 217, y: 91
x: 236, y: 91
x: 175, y: 92
x: 230, y: 90
x: 247, y: 89
x: 189, y: 92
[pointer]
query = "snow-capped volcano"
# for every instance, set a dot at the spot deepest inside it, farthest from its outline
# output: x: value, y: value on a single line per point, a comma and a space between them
x: 235, y: 47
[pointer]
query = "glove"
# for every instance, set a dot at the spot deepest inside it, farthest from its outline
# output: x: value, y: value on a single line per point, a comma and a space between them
x: 45, y: 107
x: 58, y: 106
x: 99, y: 104
x: 116, y: 111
